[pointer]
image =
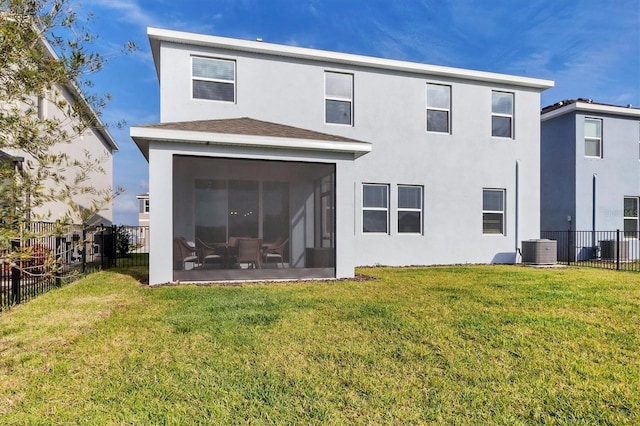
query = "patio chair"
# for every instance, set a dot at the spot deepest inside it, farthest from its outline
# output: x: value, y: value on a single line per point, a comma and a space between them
x: 275, y: 251
x: 183, y: 253
x: 249, y: 252
x: 232, y: 251
x: 210, y: 254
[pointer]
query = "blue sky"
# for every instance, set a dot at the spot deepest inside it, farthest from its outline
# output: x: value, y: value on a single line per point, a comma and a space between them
x: 590, y: 48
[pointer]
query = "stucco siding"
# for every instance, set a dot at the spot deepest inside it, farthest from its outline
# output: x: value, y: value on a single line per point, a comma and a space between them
x: 389, y: 112
x: 616, y: 174
x: 90, y: 145
x: 558, y: 173
x: 590, y: 189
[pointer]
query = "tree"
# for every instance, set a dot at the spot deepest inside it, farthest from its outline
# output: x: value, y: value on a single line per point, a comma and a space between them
x: 123, y: 241
x: 45, y: 57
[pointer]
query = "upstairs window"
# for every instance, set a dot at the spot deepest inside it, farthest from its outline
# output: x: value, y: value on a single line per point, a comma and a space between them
x: 592, y: 137
x: 409, y: 209
x: 493, y: 211
x: 502, y: 114
x: 438, y: 108
x: 213, y: 79
x: 338, y: 98
x: 375, y: 208
x: 631, y: 217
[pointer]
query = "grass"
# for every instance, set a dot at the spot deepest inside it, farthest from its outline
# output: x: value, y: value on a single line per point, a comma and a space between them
x: 447, y: 345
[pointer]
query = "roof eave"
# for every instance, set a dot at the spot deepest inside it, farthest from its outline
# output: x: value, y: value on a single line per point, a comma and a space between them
x: 592, y: 108
x: 143, y: 135
x: 156, y: 35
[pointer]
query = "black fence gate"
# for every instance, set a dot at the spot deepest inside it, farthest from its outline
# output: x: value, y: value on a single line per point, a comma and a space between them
x: 57, y: 256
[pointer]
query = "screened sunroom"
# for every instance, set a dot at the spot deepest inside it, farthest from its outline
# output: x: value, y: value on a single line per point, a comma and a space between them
x: 243, y: 199
x: 252, y: 219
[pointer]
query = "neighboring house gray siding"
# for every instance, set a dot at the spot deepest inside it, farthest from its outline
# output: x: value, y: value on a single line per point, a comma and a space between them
x: 557, y: 173
x: 591, y: 189
x: 389, y: 112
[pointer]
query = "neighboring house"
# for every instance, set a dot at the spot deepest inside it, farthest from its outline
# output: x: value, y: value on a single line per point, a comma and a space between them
x: 590, y: 168
x: 98, y: 144
x: 143, y: 211
x: 142, y: 233
x: 94, y: 143
x: 345, y: 159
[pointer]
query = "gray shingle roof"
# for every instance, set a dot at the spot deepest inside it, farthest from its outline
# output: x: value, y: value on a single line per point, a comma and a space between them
x: 250, y: 127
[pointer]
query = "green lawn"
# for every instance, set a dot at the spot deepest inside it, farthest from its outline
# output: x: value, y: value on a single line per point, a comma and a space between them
x: 446, y: 345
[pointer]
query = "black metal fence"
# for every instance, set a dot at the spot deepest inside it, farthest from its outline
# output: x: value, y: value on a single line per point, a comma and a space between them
x: 58, y: 255
x: 618, y: 250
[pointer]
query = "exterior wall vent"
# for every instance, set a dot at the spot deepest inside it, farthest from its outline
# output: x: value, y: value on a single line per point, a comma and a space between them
x: 539, y: 252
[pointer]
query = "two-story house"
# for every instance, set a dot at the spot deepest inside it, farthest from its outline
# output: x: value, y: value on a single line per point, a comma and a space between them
x: 590, y: 171
x: 275, y: 161
x: 94, y: 144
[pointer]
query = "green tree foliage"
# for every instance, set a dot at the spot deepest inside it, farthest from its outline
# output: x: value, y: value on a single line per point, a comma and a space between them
x: 123, y: 241
x: 45, y: 55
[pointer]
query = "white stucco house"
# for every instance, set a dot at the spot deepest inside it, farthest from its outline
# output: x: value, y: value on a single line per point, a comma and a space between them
x: 280, y: 162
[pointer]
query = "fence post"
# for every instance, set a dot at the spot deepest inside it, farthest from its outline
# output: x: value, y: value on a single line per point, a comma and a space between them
x: 617, y: 249
x: 569, y: 247
x: 102, y: 246
x: 84, y: 249
x: 15, y: 276
x: 114, y: 234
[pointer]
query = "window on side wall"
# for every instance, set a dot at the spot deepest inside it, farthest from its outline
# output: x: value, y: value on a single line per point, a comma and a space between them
x: 593, y: 137
x: 409, y: 209
x: 338, y: 98
x: 144, y: 205
x: 438, y: 108
x: 502, y: 114
x: 493, y: 211
x: 213, y: 79
x: 375, y: 208
x: 631, y: 217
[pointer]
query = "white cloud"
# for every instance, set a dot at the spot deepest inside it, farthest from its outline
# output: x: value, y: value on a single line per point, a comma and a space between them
x: 127, y: 11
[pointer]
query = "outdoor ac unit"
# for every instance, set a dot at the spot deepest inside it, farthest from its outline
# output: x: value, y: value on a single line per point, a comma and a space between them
x: 609, y: 249
x: 539, y: 252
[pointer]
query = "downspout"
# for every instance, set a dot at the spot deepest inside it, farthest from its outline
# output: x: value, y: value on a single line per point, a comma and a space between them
x: 594, y: 186
x: 517, y: 215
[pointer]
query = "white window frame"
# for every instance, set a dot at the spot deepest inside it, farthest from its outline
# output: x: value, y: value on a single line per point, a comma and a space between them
x: 338, y: 98
x: 407, y: 209
x: 431, y: 108
x: 598, y: 139
x: 503, y: 212
x: 215, y: 80
x: 510, y: 116
x: 636, y: 218
x: 384, y: 209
